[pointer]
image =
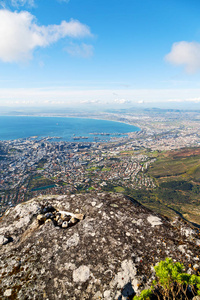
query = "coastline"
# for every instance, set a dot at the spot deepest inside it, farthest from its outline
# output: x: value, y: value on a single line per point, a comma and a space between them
x: 75, y: 117
x: 111, y: 134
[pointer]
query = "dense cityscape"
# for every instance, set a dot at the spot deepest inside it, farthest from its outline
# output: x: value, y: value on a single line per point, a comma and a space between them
x: 33, y: 166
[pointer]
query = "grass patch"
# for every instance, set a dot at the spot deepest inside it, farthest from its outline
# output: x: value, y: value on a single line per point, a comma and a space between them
x: 119, y: 189
x: 40, y: 182
x: 92, y: 169
x: 106, y: 169
x: 91, y: 188
x: 128, y: 152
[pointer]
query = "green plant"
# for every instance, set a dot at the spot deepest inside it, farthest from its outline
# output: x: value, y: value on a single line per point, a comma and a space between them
x: 167, y: 276
x: 145, y: 295
x: 171, y: 283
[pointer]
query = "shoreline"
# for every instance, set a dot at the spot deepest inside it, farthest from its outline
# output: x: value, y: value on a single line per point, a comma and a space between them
x: 72, y: 117
x: 137, y: 129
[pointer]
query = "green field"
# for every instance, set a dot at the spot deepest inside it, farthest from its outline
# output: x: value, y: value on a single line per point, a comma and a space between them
x: 177, y: 176
x: 185, y: 167
x: 119, y: 189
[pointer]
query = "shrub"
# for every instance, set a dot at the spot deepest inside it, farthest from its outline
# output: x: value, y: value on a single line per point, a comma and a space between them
x: 145, y: 295
x: 171, y: 283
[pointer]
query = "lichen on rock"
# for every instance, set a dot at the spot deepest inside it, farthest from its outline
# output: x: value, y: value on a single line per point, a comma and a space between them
x: 106, y: 255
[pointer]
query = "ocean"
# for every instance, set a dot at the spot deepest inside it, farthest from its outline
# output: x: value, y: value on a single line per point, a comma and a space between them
x: 67, y: 129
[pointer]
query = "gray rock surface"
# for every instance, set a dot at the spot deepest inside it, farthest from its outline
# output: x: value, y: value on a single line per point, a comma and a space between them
x: 107, y: 255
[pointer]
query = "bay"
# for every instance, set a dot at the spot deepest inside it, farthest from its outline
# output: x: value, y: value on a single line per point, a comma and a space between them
x: 68, y: 129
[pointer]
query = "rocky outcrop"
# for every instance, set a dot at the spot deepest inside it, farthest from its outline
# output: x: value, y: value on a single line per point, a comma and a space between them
x: 105, y: 253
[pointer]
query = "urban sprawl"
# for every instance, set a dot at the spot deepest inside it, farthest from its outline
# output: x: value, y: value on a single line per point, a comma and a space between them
x: 31, y: 166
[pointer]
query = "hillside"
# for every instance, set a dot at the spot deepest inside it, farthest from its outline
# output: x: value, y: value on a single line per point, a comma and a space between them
x: 177, y: 175
x: 108, y: 254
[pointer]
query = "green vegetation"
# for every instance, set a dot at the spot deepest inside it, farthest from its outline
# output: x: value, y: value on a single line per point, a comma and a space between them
x: 41, y: 163
x: 145, y: 295
x: 171, y: 283
x: 38, y: 182
x: 179, y: 164
x: 177, y: 185
x: 170, y: 196
x: 93, y: 169
x: 12, y: 150
x: 114, y: 158
x: 91, y: 188
x: 61, y: 182
x: 127, y: 152
x: 106, y: 169
x: 119, y: 189
x: 155, y: 199
x: 177, y: 176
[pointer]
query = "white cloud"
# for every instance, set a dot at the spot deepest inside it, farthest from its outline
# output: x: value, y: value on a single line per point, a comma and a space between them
x: 90, y: 101
x: 197, y: 99
x: 83, y: 50
x: 65, y: 1
x: 80, y: 95
x: 186, y: 54
x: 17, y: 3
x: 21, y: 34
x: 194, y: 100
x: 121, y: 101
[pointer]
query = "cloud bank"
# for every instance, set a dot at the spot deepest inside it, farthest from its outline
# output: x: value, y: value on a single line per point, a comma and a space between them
x: 186, y: 54
x: 20, y: 34
x: 75, y: 96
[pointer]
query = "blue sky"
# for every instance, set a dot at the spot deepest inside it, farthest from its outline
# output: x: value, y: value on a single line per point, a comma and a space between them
x: 114, y: 52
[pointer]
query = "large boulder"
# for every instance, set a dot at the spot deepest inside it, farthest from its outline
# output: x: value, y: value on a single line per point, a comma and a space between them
x: 105, y: 253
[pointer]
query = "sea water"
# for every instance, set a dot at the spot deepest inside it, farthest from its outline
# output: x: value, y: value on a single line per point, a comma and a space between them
x: 68, y: 129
